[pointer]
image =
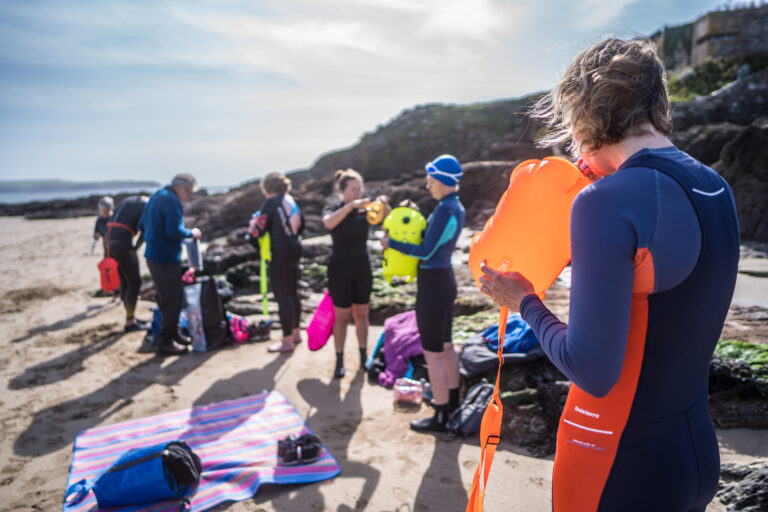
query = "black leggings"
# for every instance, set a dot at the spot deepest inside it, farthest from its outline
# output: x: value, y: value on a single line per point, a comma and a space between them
x: 436, y: 291
x: 128, y: 269
x: 284, y: 281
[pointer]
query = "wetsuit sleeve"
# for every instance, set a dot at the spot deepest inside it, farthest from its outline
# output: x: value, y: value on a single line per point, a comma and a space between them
x: 174, y: 221
x: 590, y: 351
x: 432, y: 237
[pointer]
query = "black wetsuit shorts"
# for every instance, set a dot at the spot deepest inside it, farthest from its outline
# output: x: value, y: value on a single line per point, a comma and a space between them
x: 349, y: 279
x: 434, y: 306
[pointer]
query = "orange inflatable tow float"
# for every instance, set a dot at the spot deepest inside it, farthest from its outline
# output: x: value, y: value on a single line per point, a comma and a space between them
x: 529, y: 233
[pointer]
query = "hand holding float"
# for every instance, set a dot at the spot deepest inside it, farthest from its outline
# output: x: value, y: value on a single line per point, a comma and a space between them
x: 530, y: 229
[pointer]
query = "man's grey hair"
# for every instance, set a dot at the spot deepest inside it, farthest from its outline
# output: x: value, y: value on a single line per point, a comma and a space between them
x: 185, y: 180
x: 106, y: 202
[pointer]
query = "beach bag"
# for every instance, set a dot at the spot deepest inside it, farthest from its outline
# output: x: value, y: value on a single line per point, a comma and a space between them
x: 466, y: 420
x: 110, y: 279
x: 194, y: 316
x: 215, y: 326
x: 167, y: 471
x: 321, y: 325
x: 238, y: 328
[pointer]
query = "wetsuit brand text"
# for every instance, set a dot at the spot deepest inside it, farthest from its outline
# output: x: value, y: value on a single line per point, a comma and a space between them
x: 586, y: 413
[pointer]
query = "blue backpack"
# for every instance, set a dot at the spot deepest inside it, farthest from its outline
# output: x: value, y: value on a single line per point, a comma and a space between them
x: 144, y: 475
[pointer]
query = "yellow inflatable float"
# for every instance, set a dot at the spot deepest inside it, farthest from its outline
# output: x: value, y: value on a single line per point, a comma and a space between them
x: 404, y: 225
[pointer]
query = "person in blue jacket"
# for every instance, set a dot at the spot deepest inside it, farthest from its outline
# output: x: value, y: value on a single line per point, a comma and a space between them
x: 436, y: 288
x: 164, y: 231
x: 655, y: 249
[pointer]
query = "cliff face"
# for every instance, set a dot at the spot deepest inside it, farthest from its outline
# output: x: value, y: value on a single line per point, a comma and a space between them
x: 727, y: 130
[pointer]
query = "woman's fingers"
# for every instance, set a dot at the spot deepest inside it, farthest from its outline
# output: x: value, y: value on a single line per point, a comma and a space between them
x: 485, y: 269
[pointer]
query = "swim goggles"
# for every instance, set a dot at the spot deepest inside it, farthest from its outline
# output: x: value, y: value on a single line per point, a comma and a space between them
x: 431, y: 169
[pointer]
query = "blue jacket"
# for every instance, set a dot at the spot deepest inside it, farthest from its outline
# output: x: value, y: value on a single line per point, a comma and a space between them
x: 443, y: 230
x: 163, y: 227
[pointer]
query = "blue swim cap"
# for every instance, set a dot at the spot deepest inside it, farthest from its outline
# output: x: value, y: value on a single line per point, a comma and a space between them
x: 445, y: 169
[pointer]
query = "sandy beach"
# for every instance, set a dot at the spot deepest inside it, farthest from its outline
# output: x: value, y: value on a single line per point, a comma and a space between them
x: 68, y: 366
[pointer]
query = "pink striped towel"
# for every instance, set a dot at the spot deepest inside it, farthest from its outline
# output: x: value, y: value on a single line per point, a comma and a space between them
x: 236, y: 441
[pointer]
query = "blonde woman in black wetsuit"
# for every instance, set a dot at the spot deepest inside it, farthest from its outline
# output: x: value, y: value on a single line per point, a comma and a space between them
x: 349, y: 271
x: 280, y: 216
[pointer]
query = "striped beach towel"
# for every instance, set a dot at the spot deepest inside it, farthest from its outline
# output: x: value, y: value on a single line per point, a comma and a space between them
x: 236, y: 441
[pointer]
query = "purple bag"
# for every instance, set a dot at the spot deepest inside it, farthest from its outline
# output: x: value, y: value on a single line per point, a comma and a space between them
x: 401, y: 343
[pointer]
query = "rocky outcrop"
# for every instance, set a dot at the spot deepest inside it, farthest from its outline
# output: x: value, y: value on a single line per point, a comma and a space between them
x: 744, y: 164
x: 744, y: 487
x: 740, y: 103
x: 737, y: 398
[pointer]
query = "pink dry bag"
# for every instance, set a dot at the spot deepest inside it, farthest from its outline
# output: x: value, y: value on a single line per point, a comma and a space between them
x: 321, y: 325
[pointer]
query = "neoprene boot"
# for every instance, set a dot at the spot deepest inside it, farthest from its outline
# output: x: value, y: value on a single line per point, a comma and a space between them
x: 453, y: 400
x: 338, y: 373
x: 434, y: 423
x: 363, y: 356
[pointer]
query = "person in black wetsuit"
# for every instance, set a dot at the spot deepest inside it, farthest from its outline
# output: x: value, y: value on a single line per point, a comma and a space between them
x: 655, y: 249
x: 121, y: 229
x: 349, y: 270
x: 106, y: 204
x: 436, y: 288
x: 280, y: 216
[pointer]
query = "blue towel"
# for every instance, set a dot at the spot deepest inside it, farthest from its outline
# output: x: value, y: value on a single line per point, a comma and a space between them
x: 518, y: 336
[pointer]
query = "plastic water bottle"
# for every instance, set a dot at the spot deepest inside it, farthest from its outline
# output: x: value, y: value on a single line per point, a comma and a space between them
x: 194, y: 256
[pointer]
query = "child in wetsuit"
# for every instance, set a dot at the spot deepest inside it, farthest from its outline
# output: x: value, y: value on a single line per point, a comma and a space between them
x: 436, y: 288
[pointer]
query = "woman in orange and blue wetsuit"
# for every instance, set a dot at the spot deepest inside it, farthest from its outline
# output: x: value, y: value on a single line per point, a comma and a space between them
x: 655, y: 248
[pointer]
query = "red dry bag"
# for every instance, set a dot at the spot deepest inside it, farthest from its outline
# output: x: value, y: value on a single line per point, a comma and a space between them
x: 110, y: 279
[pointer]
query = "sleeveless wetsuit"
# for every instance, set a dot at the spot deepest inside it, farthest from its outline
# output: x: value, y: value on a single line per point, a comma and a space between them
x: 349, y: 271
x: 436, y: 284
x: 655, y: 250
x: 286, y: 253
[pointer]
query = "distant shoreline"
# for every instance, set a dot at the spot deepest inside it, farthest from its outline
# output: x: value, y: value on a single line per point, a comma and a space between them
x: 31, y: 197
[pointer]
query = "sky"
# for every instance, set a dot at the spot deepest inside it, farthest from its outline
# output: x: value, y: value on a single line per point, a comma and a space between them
x: 231, y: 90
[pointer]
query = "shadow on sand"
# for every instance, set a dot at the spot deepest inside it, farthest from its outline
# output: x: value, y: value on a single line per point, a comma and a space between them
x: 334, y: 423
x: 90, y: 312
x: 62, y: 367
x: 54, y: 427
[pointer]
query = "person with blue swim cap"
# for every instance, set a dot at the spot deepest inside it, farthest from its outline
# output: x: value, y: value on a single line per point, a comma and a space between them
x: 436, y: 288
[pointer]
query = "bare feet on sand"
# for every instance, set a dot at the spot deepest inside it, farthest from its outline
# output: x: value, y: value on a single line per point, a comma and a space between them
x: 287, y: 345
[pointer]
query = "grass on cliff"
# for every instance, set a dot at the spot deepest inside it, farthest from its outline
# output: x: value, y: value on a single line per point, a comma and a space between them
x: 712, y: 75
x: 754, y: 355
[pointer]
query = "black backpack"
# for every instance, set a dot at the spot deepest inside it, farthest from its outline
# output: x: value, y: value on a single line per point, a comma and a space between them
x: 466, y: 420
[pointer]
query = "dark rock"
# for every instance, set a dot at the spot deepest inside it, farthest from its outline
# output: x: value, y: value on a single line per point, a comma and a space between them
x: 704, y: 142
x: 737, y: 399
x: 744, y: 164
x: 217, y: 259
x: 739, y: 103
x: 245, y: 275
x: 744, y: 487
